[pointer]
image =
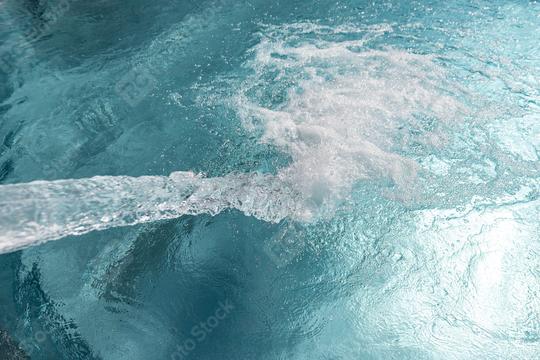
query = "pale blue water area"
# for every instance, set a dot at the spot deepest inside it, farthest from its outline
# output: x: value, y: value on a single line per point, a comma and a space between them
x: 269, y: 179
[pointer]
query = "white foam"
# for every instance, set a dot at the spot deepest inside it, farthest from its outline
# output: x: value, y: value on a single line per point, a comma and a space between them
x: 345, y: 108
x: 341, y: 119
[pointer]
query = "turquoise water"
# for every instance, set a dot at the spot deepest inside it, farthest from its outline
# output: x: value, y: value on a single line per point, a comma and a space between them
x: 269, y: 179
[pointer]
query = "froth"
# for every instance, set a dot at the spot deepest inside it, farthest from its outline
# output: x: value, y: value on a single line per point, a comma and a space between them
x: 344, y: 112
x: 341, y: 111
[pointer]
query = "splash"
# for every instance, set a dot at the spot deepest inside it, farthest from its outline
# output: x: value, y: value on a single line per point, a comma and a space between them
x: 35, y: 212
x: 341, y: 111
x: 346, y: 112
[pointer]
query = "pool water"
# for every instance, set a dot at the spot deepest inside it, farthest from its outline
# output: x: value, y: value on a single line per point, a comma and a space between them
x: 269, y: 179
